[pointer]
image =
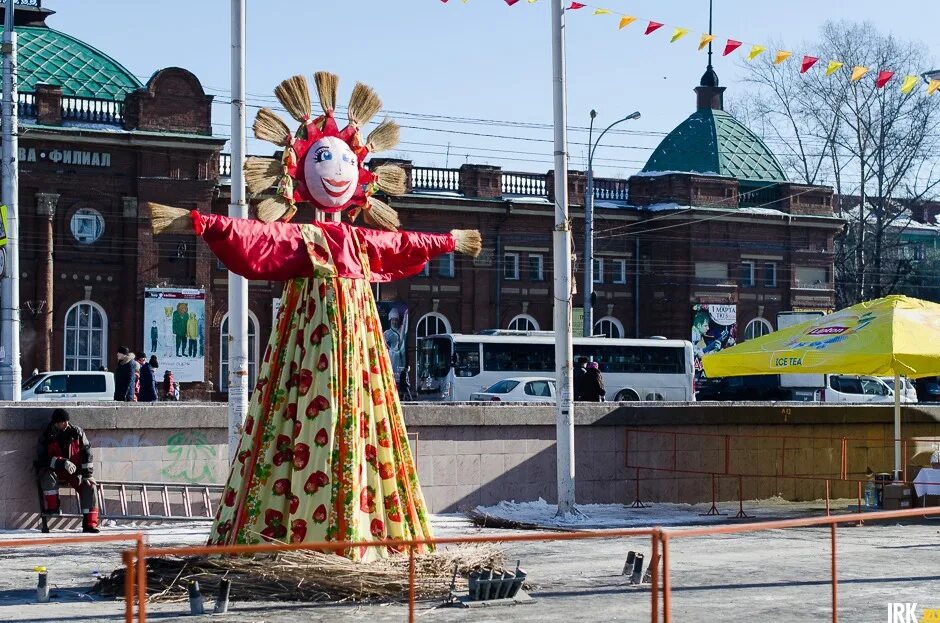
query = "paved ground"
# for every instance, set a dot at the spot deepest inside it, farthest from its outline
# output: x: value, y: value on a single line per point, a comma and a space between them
x: 778, y: 575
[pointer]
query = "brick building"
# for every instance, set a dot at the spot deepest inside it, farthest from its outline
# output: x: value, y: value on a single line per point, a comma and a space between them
x: 94, y: 143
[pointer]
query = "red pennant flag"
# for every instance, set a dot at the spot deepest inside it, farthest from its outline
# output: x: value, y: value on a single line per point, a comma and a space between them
x: 808, y: 61
x: 575, y: 6
x: 511, y: 2
x: 883, y: 78
x: 731, y: 46
x: 652, y: 27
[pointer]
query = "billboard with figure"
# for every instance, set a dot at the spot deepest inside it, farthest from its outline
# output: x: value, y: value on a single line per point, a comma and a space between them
x: 394, y: 317
x: 175, y: 330
x: 714, y: 327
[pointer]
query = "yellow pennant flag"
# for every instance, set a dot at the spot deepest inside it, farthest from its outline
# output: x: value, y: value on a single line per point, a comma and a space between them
x: 781, y: 56
x: 756, y: 51
x: 705, y: 40
x: 678, y: 33
x: 601, y: 12
x: 932, y: 86
x: 909, y: 83
x: 833, y: 67
x: 858, y: 72
x: 626, y: 21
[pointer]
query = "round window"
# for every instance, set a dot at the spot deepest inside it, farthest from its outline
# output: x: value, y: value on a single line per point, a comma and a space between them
x: 87, y: 225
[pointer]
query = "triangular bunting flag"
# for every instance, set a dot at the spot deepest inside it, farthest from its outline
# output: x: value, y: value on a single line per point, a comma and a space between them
x: 909, y: 83
x: 932, y: 86
x: 575, y: 6
x: 511, y: 2
x: 731, y: 46
x: 781, y: 56
x: 756, y: 51
x: 833, y: 67
x: 705, y: 40
x: 808, y: 61
x: 625, y: 21
x: 601, y: 12
x: 678, y: 33
x: 883, y: 77
x: 652, y: 27
x: 858, y: 72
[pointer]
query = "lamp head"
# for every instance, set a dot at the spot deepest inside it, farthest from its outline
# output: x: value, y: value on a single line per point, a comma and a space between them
x: 593, y: 113
x: 634, y: 115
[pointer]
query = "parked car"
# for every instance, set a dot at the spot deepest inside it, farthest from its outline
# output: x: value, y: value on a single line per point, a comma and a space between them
x: 72, y: 385
x: 519, y: 389
x: 908, y: 391
x: 928, y: 389
x: 799, y: 387
x: 852, y: 388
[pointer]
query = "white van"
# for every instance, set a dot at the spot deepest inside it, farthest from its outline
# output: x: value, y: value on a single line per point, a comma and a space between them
x: 70, y: 386
x: 849, y: 388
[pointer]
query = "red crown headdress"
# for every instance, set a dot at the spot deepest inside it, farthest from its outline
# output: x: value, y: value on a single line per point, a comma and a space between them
x: 331, y: 158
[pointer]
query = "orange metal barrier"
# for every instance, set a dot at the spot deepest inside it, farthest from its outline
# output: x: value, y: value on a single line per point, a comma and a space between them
x: 99, y: 538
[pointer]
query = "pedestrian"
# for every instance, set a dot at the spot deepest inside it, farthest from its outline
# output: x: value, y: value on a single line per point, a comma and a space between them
x: 171, y: 390
x: 148, y: 380
x: 579, y: 371
x: 125, y: 376
x: 404, y: 384
x: 65, y: 457
x: 593, y: 390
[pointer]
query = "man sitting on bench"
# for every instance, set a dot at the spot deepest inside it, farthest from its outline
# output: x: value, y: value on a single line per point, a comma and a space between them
x: 65, y: 457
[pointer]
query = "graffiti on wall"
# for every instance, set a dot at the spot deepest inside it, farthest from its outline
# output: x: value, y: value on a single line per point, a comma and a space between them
x: 192, y: 458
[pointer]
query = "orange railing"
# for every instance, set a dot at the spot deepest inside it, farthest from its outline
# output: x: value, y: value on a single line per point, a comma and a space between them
x: 661, y: 587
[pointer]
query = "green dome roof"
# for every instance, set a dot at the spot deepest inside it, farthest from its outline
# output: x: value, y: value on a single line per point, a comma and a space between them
x: 712, y: 141
x: 47, y: 56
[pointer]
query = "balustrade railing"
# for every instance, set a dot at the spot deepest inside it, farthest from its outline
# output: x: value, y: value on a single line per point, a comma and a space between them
x: 92, y: 110
x: 432, y: 178
x: 610, y: 189
x: 526, y: 184
x: 26, y: 105
x: 225, y: 165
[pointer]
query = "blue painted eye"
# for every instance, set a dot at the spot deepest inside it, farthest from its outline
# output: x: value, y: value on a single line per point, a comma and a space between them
x: 323, y: 154
x: 349, y: 158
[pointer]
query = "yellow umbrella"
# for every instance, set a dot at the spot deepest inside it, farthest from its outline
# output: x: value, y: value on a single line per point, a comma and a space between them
x: 892, y: 336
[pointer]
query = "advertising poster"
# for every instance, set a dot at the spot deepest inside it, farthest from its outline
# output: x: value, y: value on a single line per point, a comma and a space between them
x: 175, y: 329
x: 394, y: 317
x: 714, y: 327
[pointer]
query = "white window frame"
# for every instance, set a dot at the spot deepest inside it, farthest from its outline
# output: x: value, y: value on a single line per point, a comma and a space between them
x: 447, y: 258
x: 534, y: 324
x: 421, y: 326
x: 104, y: 337
x: 751, y: 280
x: 772, y: 282
x: 511, y: 260
x: 755, y: 323
x: 619, y: 276
x: 252, y: 352
x: 425, y: 270
x: 598, y: 270
x: 612, y: 322
x: 821, y: 284
x: 541, y: 266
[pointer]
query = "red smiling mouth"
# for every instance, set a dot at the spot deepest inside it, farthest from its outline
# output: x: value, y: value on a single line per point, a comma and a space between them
x: 334, y: 188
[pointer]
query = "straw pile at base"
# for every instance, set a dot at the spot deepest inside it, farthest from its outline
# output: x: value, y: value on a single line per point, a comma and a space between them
x: 309, y: 576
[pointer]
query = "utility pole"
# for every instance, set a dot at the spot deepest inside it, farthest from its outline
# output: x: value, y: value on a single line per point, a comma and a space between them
x: 238, y: 208
x: 561, y: 240
x: 10, y: 372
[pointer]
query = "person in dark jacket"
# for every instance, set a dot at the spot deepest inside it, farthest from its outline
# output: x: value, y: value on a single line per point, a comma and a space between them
x: 578, y: 383
x: 404, y: 384
x: 148, y: 379
x: 125, y: 376
x: 64, y: 456
x: 593, y: 390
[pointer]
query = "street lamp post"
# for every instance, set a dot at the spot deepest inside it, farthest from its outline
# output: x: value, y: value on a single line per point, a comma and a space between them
x: 589, y: 222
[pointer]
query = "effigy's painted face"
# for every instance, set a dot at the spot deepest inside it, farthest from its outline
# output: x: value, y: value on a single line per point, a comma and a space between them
x: 331, y: 172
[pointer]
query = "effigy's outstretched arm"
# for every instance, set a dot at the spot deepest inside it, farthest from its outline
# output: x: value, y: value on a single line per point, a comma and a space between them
x: 400, y: 254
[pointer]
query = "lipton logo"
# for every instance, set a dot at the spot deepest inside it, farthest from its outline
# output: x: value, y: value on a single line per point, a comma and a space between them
x: 828, y: 331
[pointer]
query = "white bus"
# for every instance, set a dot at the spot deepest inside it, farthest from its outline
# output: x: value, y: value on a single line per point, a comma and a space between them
x: 452, y: 366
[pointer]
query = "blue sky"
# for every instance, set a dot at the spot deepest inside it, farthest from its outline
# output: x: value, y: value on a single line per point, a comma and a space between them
x: 479, y: 61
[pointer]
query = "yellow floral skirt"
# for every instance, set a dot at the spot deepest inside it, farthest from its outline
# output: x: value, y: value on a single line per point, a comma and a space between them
x: 323, y: 454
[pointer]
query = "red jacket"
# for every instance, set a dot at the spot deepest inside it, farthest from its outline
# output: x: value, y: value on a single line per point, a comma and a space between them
x: 70, y: 444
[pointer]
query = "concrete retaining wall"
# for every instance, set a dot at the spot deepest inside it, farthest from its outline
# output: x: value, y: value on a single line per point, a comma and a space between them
x: 481, y: 454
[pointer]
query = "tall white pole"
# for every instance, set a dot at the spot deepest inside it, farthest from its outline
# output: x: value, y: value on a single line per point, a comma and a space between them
x: 10, y: 372
x: 561, y: 239
x: 237, y: 286
x: 897, y: 427
x: 589, y: 238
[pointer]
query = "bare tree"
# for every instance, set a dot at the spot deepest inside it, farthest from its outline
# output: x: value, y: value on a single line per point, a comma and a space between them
x: 876, y: 147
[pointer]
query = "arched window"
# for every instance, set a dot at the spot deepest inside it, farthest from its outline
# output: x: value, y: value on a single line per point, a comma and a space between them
x: 523, y: 322
x: 252, y: 352
x: 757, y: 328
x: 431, y: 323
x: 609, y: 326
x: 86, y: 336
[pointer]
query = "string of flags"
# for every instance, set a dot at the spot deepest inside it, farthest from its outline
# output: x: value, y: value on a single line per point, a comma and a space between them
x: 882, y: 77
